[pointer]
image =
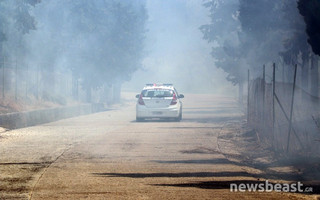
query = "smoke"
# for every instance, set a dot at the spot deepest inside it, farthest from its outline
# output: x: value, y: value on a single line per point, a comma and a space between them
x: 176, y: 52
x: 99, y: 43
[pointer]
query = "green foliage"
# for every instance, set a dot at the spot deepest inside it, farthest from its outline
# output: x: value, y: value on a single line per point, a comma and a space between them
x: 16, y: 21
x: 295, y: 40
x: 246, y: 34
x: 15, y: 16
x: 222, y: 32
x: 258, y: 18
x: 101, y: 41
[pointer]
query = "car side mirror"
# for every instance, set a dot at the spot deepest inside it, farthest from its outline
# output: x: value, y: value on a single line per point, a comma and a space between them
x: 138, y: 95
x: 181, y: 96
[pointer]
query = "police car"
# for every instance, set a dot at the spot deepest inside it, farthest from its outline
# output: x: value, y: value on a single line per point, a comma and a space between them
x: 160, y: 101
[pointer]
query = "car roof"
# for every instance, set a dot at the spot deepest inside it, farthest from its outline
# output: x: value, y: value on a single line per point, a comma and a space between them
x: 159, y: 86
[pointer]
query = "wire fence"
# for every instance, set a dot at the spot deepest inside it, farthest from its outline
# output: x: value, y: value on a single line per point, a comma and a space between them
x: 28, y: 81
x: 24, y: 83
x: 286, y: 117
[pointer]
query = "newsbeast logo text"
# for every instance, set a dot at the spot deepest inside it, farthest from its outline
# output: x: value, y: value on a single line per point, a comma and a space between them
x: 269, y: 187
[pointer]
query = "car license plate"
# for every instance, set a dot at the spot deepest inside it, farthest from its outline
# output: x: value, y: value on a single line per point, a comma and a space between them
x: 157, y: 113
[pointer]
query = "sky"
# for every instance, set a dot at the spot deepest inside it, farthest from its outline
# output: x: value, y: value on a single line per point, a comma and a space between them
x: 175, y: 51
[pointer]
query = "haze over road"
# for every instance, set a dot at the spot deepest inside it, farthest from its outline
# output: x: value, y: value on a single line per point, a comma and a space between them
x: 109, y: 155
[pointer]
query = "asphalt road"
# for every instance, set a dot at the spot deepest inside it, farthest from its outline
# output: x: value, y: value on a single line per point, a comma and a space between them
x: 109, y: 155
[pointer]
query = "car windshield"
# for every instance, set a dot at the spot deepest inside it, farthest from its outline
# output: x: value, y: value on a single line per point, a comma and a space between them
x: 157, y: 93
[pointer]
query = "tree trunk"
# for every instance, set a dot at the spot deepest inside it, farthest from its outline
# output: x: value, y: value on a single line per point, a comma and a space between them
x: 106, y: 96
x: 283, y: 74
x: 88, y: 94
x: 116, y: 92
x: 47, y: 83
x: 240, y: 93
x: 305, y: 75
x: 75, y: 87
x: 289, y: 73
x: 314, y: 76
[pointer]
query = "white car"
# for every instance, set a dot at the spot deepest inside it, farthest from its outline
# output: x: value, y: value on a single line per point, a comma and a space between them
x: 159, y: 101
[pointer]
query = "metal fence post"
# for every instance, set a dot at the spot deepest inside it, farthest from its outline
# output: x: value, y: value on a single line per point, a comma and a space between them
x: 273, y: 96
x: 16, y: 82
x: 3, y: 71
x: 37, y: 81
x: 248, y: 96
x: 27, y: 78
x: 263, y: 97
x: 291, y: 107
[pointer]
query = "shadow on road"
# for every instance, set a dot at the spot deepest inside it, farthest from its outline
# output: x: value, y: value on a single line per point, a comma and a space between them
x: 192, y: 127
x: 268, y: 174
x: 202, y: 161
x: 226, y: 185
x: 174, y: 175
x: 211, y: 184
x: 159, y: 120
x: 215, y: 111
x: 206, y: 184
x: 212, y: 119
x: 26, y: 163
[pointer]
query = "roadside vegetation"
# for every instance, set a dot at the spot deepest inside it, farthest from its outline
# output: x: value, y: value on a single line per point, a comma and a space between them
x: 59, y: 51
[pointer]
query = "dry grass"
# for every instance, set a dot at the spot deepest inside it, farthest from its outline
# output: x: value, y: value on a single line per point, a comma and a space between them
x: 10, y: 104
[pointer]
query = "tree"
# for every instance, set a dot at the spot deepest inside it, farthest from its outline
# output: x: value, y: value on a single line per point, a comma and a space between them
x: 245, y: 35
x: 296, y: 48
x: 310, y: 10
x: 261, y: 26
x: 223, y: 33
x: 15, y: 22
x: 101, y: 41
x: 118, y: 36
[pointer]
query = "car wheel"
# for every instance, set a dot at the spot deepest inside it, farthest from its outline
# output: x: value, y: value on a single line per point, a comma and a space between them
x: 180, y: 116
x: 139, y: 119
x: 178, y: 119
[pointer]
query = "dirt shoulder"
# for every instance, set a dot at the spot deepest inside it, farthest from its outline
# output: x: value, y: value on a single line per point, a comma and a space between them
x: 242, y: 145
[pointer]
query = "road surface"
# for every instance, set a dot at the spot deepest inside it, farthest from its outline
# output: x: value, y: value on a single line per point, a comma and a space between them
x: 109, y: 155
